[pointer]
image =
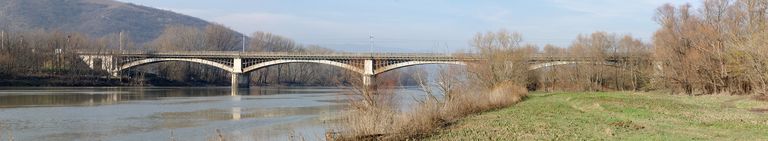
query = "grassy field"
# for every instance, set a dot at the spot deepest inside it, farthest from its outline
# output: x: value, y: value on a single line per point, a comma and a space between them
x: 617, y: 116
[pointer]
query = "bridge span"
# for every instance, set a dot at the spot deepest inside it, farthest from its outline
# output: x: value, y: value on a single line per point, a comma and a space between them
x: 239, y: 64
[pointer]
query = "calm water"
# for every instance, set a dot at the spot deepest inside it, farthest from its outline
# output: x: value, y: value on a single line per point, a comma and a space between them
x: 140, y: 114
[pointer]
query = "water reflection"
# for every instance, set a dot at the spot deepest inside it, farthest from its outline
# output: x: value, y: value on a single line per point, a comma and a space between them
x: 151, y: 113
x: 41, y: 97
x: 235, y: 113
x: 127, y: 114
x: 13, y: 101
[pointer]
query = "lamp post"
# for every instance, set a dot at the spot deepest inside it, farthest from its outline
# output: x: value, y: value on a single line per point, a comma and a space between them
x: 2, y: 39
x: 121, y: 42
x: 371, y: 49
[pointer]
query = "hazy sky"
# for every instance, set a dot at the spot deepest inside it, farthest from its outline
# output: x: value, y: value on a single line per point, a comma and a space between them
x: 420, y: 25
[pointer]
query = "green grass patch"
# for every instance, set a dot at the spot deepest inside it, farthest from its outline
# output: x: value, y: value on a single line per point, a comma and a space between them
x: 617, y: 116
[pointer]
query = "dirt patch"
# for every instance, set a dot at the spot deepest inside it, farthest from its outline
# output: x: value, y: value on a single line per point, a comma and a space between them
x: 763, y: 97
x: 627, y: 125
x: 732, y: 103
x: 759, y: 110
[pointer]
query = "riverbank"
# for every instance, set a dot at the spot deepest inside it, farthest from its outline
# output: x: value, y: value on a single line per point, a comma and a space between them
x: 58, y: 80
x: 617, y: 116
x: 94, y: 81
x: 106, y: 81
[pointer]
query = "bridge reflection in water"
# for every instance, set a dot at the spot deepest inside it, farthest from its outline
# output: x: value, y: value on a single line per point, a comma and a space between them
x: 151, y: 113
x: 62, y: 96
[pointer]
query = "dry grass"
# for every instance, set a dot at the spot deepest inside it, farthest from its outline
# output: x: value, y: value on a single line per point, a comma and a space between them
x: 616, y: 116
x: 370, y: 116
x: 763, y: 97
x: 501, y: 96
x: 383, y: 122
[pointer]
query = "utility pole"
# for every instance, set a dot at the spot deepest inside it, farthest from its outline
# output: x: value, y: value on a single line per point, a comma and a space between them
x: 243, y: 42
x: 371, y: 49
x: 60, y: 53
x: 446, y: 48
x: 120, y: 41
x: 66, y: 45
x: 435, y: 45
x: 2, y: 39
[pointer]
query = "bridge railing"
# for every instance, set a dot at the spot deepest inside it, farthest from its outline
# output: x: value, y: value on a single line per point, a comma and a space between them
x: 265, y: 54
x: 231, y: 54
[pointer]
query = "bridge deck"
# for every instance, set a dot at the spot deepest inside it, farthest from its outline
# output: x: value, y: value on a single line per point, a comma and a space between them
x: 367, y: 64
x: 332, y: 56
x: 284, y: 55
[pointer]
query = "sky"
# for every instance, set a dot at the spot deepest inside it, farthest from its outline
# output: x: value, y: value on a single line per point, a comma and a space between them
x: 424, y: 26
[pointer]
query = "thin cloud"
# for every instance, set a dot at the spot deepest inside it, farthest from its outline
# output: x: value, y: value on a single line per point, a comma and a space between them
x: 340, y: 24
x: 187, y: 11
x: 614, y: 8
x: 279, y: 23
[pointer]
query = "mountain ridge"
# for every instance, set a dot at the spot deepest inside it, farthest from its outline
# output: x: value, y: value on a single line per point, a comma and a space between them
x: 96, y: 18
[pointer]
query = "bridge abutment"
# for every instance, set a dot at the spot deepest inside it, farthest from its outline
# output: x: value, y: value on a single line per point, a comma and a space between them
x: 99, y: 62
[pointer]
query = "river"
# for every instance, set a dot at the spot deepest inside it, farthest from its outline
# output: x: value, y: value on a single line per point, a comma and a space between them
x: 182, y: 114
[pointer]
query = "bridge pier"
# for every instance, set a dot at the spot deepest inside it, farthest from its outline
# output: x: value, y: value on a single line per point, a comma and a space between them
x: 368, y: 80
x: 368, y: 74
x: 241, y: 80
x: 241, y: 62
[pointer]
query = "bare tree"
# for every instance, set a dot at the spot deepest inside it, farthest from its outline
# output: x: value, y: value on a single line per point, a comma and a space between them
x: 714, y: 48
x: 504, y: 55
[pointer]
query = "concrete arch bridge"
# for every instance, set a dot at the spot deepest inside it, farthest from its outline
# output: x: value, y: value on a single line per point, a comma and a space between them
x: 239, y: 64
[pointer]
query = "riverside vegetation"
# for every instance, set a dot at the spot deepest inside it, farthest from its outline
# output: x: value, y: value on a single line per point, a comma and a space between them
x: 48, y: 58
x: 715, y: 52
x: 617, y: 116
x: 710, y: 51
x: 486, y: 85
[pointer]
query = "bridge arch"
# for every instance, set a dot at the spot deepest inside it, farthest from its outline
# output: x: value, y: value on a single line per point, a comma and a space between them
x: 157, y: 60
x: 413, y: 63
x: 559, y: 63
x: 326, y: 62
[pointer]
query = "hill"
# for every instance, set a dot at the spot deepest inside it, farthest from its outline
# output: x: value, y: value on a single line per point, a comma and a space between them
x: 95, y: 18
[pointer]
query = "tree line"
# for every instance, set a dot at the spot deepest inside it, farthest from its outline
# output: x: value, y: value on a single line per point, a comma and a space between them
x: 703, y: 52
x: 220, y: 38
x: 44, y: 53
x: 629, y: 64
x: 719, y: 47
x: 507, y: 59
x: 47, y: 55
